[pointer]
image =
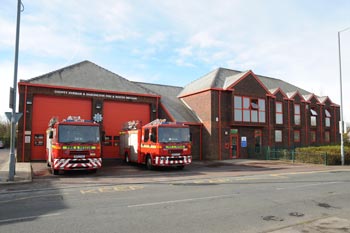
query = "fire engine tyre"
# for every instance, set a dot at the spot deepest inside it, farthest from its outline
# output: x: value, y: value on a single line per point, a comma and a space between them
x: 54, y: 171
x: 149, y: 165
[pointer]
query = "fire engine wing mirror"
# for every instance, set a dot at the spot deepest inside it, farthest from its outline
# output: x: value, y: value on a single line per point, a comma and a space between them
x: 51, y: 135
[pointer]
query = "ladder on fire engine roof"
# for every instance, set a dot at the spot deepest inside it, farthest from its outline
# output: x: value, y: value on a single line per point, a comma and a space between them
x: 132, y: 125
x: 157, y: 122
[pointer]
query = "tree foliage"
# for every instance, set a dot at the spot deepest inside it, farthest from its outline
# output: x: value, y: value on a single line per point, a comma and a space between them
x: 5, y: 131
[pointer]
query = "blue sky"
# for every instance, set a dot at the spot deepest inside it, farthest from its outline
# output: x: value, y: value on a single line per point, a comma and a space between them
x: 177, y: 41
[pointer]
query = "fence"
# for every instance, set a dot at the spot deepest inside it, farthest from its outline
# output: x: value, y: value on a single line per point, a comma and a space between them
x: 267, y: 153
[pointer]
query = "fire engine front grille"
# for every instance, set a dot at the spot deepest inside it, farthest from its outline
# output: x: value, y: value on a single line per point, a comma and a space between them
x: 176, y: 159
x: 79, y: 153
x: 79, y: 161
x: 175, y: 151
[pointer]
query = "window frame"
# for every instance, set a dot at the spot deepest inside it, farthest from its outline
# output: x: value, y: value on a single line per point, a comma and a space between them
x: 297, y: 132
x: 313, y: 117
x: 249, y: 109
x: 297, y: 115
x: 281, y: 135
x: 328, y: 117
x: 279, y: 113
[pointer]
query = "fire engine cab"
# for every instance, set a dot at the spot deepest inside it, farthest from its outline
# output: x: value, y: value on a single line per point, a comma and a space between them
x: 158, y: 143
x: 73, y: 144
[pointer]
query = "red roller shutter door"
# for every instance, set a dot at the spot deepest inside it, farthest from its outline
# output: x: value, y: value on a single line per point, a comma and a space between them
x: 115, y: 114
x: 44, y: 108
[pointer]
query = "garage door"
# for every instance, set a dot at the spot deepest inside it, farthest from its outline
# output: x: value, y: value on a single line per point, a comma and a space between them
x: 115, y: 114
x: 46, y: 107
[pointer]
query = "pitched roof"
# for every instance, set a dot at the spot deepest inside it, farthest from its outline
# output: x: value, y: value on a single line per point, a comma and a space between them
x: 88, y: 75
x: 223, y: 78
x: 174, y: 105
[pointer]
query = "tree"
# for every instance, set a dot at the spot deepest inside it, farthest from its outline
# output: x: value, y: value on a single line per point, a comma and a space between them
x: 5, y: 131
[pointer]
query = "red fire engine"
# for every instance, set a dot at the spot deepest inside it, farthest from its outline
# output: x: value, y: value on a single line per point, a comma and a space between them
x: 159, y: 143
x: 73, y: 144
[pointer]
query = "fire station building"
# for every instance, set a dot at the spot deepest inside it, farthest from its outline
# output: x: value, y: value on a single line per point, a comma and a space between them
x: 231, y: 114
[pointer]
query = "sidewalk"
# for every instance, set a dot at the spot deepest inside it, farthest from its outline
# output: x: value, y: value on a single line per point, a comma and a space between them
x: 23, y: 170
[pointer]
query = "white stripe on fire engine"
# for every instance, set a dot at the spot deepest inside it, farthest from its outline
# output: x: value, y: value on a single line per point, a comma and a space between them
x: 65, y: 161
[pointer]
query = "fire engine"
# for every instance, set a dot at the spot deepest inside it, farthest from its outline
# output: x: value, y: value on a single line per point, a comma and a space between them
x: 73, y: 144
x: 156, y: 144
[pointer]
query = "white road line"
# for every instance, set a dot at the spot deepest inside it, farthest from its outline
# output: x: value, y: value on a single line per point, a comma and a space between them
x: 28, y: 218
x: 309, y: 185
x: 32, y: 197
x: 179, y: 201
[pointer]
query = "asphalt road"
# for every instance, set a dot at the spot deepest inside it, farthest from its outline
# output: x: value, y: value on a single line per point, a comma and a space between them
x: 231, y: 203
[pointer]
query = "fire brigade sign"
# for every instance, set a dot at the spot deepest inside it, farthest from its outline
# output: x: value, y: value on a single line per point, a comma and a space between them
x: 92, y: 94
x: 243, y: 141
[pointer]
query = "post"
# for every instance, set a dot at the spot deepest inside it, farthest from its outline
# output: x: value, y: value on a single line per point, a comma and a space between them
x: 341, y: 125
x: 12, y: 163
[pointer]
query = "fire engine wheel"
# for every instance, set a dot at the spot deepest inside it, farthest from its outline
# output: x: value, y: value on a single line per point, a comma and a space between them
x: 149, y: 165
x: 54, y: 171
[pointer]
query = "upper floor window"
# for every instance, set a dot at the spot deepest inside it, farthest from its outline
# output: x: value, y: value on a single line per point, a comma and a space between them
x: 328, y: 118
x: 248, y: 109
x: 313, y: 117
x: 279, y: 113
x: 297, y: 117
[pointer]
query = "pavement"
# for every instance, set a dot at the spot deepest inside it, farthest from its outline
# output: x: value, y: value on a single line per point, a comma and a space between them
x: 23, y: 172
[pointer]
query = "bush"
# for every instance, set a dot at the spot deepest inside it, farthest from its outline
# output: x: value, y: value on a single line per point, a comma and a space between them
x: 329, y: 155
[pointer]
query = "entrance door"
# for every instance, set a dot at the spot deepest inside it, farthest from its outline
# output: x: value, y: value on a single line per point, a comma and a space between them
x: 234, y: 146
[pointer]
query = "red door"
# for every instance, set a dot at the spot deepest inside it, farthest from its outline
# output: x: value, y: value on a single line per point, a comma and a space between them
x: 46, y: 107
x: 115, y: 114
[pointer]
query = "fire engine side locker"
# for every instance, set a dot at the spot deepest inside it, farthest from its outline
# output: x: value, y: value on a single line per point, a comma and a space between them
x: 133, y: 139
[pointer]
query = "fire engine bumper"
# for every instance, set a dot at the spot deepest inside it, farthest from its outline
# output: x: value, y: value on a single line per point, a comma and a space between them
x: 172, y: 160
x: 77, y: 164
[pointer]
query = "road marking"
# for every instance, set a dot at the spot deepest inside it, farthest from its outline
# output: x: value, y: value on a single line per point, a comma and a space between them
x: 32, y: 197
x: 28, y: 218
x: 180, y: 201
x: 212, y: 181
x: 111, y: 189
x: 309, y: 185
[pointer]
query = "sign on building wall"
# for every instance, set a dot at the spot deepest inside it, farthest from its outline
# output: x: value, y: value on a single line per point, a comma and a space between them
x: 243, y: 141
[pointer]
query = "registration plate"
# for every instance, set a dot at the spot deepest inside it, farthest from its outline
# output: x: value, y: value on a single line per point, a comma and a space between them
x: 176, y: 154
x: 79, y: 156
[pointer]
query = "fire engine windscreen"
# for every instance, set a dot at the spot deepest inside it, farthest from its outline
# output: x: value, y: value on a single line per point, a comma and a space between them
x: 78, y: 133
x: 168, y: 134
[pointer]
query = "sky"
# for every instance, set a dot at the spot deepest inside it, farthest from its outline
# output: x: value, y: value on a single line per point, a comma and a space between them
x: 175, y: 42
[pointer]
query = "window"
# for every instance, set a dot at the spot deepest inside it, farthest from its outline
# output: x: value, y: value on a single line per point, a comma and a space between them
x: 327, y: 136
x: 313, y: 117
x: 146, y: 137
x: 278, y: 135
x: 313, y: 136
x: 328, y: 118
x: 297, y: 117
x: 279, y: 113
x: 154, y: 134
x: 238, y: 108
x: 248, y: 109
x: 296, y: 136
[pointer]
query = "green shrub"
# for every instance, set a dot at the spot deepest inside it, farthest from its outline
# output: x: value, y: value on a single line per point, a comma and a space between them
x: 329, y: 155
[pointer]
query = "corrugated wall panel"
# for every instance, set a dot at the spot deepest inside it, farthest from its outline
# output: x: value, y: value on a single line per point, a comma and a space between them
x: 115, y: 114
x: 44, y: 108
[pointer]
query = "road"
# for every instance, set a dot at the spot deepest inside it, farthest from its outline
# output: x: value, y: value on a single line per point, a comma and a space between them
x: 215, y: 203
